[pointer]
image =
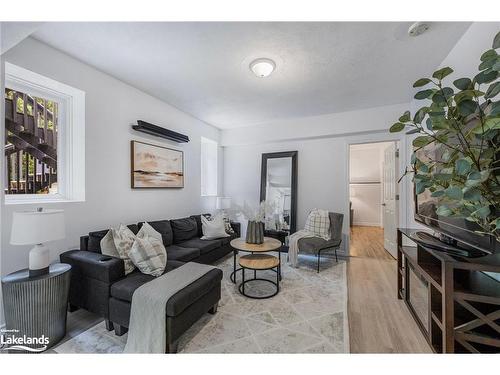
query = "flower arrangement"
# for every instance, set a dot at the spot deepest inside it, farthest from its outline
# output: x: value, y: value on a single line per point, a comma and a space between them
x: 255, y: 217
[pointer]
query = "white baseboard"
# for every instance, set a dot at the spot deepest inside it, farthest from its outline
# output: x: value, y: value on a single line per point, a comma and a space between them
x: 367, y: 224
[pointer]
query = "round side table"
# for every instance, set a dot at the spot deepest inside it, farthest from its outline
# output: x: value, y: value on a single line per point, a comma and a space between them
x: 259, y: 262
x: 269, y: 244
x: 36, y: 306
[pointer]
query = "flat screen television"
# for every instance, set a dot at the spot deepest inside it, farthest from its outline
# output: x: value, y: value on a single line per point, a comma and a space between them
x: 459, y: 229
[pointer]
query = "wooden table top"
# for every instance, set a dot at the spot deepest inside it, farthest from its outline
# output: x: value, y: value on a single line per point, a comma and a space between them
x: 259, y: 261
x: 269, y: 244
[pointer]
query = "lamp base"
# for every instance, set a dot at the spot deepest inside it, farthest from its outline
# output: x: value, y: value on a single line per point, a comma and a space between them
x: 39, y: 260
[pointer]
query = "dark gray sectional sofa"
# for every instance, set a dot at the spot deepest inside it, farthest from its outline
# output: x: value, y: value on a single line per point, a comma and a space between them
x: 99, y: 284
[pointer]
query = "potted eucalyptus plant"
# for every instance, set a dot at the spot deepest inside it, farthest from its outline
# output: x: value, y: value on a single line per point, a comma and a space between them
x: 462, y: 121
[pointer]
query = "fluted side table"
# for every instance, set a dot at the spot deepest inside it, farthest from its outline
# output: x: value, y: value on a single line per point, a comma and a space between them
x: 36, y: 306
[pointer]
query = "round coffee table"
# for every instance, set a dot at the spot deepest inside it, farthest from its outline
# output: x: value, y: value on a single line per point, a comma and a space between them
x: 269, y: 244
x: 259, y: 262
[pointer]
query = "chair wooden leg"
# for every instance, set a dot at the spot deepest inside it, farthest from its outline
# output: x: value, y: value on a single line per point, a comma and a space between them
x: 109, y: 324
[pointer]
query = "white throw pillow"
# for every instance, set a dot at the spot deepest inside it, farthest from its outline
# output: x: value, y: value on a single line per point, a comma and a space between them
x: 124, y: 238
x: 148, y: 230
x: 108, y: 245
x: 149, y: 255
x: 213, y: 228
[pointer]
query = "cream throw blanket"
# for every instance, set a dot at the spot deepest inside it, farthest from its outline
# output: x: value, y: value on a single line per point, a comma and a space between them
x: 317, y: 225
x: 147, y: 328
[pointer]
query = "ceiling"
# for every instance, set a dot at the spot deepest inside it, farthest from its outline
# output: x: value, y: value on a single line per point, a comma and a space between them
x: 203, y: 68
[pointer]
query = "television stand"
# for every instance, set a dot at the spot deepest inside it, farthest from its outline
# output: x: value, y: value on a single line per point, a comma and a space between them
x: 454, y: 301
x: 427, y: 239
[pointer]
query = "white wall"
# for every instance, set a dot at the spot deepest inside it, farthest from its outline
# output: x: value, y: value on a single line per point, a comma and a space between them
x: 111, y: 107
x: 365, y: 165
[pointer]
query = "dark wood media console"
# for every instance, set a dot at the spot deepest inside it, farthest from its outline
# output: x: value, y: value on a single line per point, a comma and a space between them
x: 454, y: 302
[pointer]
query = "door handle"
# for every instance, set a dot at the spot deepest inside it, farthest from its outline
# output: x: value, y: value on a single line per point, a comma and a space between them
x: 383, y: 204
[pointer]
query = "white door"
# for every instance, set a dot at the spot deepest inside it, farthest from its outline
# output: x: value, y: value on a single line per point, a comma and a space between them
x: 389, y: 199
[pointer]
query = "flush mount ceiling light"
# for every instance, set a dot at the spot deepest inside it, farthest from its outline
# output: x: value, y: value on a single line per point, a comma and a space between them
x: 418, y: 28
x: 262, y: 67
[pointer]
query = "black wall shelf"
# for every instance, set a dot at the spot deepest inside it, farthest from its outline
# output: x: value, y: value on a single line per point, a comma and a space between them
x: 158, y: 131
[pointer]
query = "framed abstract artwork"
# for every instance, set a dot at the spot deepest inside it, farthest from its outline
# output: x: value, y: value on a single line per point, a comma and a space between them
x: 155, y: 166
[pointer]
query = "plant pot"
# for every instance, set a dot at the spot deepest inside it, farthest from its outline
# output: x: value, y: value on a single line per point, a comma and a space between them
x: 255, y: 232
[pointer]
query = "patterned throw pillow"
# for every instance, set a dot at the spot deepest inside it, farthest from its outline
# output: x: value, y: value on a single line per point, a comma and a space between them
x: 108, y: 245
x: 123, y: 239
x: 227, y: 223
x: 149, y: 254
x: 318, y: 223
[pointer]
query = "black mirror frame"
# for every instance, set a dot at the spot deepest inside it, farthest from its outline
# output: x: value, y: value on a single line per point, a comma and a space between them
x: 263, y: 178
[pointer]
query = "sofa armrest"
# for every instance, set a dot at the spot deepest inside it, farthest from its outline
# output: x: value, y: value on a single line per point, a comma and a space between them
x: 236, y: 227
x: 93, y: 265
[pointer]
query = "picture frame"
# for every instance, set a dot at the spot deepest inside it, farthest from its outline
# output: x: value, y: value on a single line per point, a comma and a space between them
x: 155, y: 167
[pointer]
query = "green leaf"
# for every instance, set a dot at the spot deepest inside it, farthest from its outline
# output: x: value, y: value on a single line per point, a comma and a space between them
x: 489, y: 54
x: 443, y: 176
x: 487, y: 63
x: 462, y: 83
x: 463, y: 166
x: 413, y: 131
x: 444, y: 211
x: 496, y: 41
x: 482, y: 212
x: 420, y: 114
x: 405, y: 117
x: 424, y: 94
x: 439, y: 99
x: 486, y: 77
x: 467, y: 107
x: 454, y: 192
x: 495, y: 109
x: 496, y: 66
x: 447, y: 92
x: 422, y: 141
x: 437, y: 193
x: 443, y: 72
x: 419, y: 187
x: 493, y: 90
x: 472, y: 195
x: 492, y: 123
x: 397, y: 127
x: 422, y: 82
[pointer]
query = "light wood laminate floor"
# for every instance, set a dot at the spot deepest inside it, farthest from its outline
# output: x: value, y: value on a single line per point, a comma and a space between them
x: 378, y: 321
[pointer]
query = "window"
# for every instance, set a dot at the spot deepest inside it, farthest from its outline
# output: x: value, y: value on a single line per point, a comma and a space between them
x: 44, y: 139
x: 209, y: 168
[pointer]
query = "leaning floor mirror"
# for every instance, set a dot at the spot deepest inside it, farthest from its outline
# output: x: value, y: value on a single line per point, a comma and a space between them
x: 278, y: 187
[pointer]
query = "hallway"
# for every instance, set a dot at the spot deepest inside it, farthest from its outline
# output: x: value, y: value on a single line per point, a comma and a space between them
x: 378, y: 321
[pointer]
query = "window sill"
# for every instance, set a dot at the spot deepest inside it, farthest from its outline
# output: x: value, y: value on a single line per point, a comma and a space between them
x: 38, y: 200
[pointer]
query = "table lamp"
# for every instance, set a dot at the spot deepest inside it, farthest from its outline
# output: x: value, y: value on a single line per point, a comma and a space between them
x: 223, y: 203
x: 36, y: 228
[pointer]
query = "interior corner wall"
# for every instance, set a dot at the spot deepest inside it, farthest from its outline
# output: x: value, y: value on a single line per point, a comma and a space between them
x: 112, y: 106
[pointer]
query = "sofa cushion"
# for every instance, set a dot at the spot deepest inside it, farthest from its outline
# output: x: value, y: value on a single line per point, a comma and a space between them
x: 183, y: 254
x: 184, y: 229
x: 164, y: 228
x: 225, y: 241
x: 95, y: 238
x: 204, y: 246
x: 124, y: 288
x: 198, y: 223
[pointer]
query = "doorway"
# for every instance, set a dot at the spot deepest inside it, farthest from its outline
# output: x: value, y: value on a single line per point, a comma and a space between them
x: 374, y: 198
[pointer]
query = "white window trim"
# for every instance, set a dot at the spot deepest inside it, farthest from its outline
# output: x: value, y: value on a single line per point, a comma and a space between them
x: 70, y: 160
x: 211, y: 141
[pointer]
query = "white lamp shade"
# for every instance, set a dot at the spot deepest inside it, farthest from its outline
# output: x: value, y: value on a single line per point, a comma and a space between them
x: 223, y: 203
x: 37, y: 227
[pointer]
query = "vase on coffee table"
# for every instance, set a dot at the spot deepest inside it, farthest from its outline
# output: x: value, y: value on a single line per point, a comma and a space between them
x: 255, y: 232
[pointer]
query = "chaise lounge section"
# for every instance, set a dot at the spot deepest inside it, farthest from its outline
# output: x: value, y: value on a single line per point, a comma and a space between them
x: 99, y: 284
